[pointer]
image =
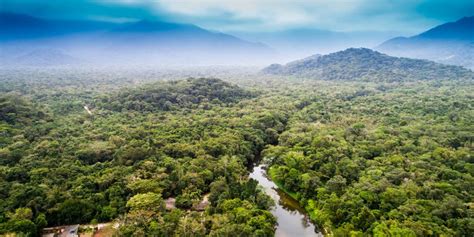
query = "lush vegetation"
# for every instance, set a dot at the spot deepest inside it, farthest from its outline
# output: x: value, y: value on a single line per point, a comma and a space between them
x: 362, y: 157
x: 393, y: 161
x: 81, y: 168
x: 176, y: 94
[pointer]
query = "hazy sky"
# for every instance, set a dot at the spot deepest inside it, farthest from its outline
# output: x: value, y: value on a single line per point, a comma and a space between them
x: 407, y: 16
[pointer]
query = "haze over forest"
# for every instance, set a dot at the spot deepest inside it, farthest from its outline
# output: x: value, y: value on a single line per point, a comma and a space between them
x: 151, y: 33
x: 236, y: 118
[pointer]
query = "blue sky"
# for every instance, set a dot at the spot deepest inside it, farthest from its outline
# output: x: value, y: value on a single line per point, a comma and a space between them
x: 406, y: 16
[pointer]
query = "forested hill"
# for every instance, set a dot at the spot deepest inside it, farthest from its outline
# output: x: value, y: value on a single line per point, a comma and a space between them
x: 368, y: 65
x: 172, y: 95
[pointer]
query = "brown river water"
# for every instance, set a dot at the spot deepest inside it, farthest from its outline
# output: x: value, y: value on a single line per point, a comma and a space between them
x: 292, y: 218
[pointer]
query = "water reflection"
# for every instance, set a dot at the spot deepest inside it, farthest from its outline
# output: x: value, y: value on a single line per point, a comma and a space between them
x: 292, y: 220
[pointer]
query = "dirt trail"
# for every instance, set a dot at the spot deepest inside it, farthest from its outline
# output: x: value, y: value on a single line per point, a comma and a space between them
x: 87, y: 109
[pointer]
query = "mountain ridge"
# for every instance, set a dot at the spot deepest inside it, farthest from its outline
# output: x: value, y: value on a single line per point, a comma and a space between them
x: 14, y: 26
x: 457, y: 30
x: 367, y: 65
x: 145, y: 42
x: 450, y: 43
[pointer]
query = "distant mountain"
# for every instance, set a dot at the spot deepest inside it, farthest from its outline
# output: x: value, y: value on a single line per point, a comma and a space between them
x: 45, y: 57
x: 143, y: 42
x: 168, y: 35
x: 20, y: 27
x: 13, y: 26
x: 450, y: 43
x: 296, y: 43
x: 462, y: 30
x: 147, y: 26
x: 367, y: 65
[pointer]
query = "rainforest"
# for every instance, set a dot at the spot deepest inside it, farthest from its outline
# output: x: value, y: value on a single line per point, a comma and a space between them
x: 360, y: 157
x: 236, y: 118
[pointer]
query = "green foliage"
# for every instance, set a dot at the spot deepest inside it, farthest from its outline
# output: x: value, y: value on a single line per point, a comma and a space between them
x: 73, y: 211
x: 16, y: 109
x: 146, y: 201
x: 383, y: 164
x: 362, y: 158
x: 20, y: 222
x: 173, y: 95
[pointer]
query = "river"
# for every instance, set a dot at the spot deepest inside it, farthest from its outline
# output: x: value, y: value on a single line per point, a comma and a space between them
x: 292, y: 218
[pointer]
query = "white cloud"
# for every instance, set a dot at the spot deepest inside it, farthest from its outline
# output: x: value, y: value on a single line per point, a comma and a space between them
x: 258, y: 15
x: 264, y: 13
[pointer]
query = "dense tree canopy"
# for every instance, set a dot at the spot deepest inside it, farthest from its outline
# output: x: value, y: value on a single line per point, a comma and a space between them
x: 176, y: 94
x: 363, y: 158
x: 395, y: 162
x: 78, y: 168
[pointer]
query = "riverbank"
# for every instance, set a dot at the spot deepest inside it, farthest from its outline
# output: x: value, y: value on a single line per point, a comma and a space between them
x: 324, y: 230
x: 291, y: 216
x: 280, y: 186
